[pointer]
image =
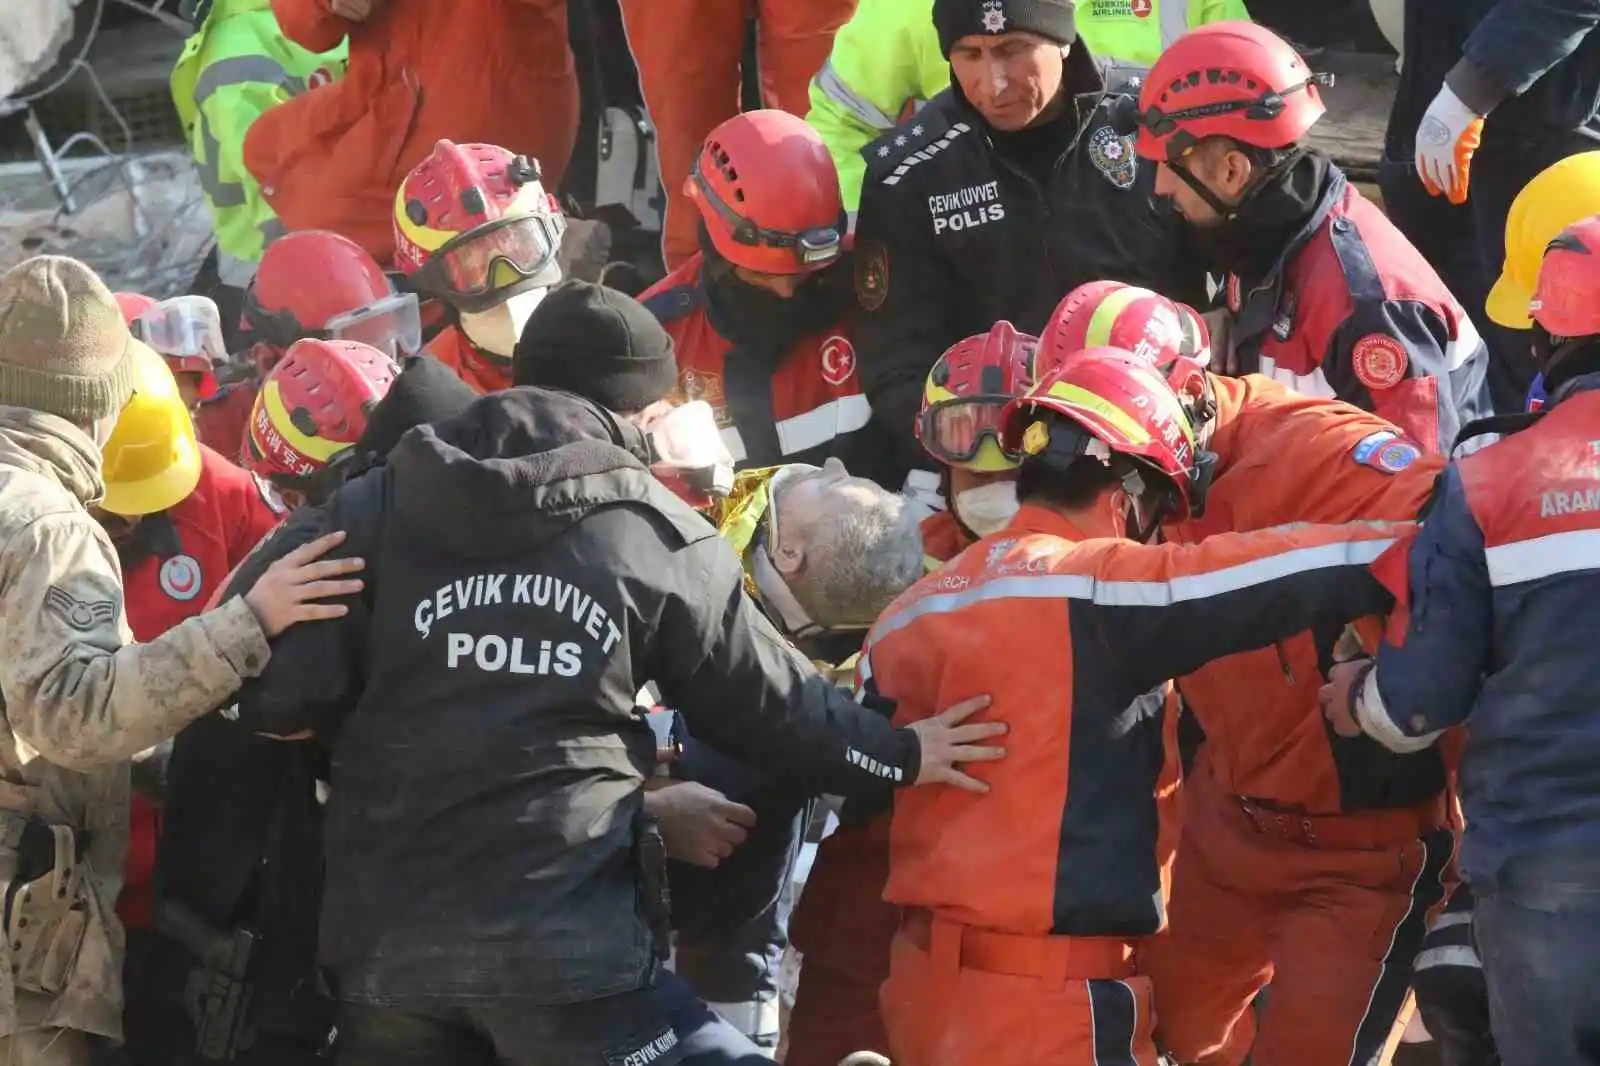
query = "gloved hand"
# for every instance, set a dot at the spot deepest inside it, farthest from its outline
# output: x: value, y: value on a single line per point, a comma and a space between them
x: 1446, y: 139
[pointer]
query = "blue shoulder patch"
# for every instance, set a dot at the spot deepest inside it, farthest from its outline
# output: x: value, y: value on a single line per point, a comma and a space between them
x: 670, y: 304
x: 1386, y: 451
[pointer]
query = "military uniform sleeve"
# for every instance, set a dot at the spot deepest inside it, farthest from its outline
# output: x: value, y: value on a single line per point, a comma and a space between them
x: 74, y: 689
x: 1430, y: 682
x: 746, y: 691
x: 1515, y: 45
x: 1395, y: 358
x: 904, y: 293
x: 1167, y: 610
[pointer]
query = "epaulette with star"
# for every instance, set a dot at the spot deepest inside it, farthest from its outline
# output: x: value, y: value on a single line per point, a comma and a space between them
x: 912, y: 142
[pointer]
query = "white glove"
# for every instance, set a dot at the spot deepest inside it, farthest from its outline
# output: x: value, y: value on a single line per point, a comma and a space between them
x: 1446, y: 138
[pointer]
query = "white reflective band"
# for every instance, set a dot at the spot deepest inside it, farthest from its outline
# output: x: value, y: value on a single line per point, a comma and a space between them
x: 1452, y: 955
x: 1137, y: 593
x: 1447, y: 920
x: 1312, y: 384
x: 235, y: 272
x: 1174, y: 21
x: 735, y: 444
x: 755, y: 1018
x: 1467, y: 343
x: 839, y: 91
x: 1530, y: 560
x: 820, y: 425
x: 1373, y: 717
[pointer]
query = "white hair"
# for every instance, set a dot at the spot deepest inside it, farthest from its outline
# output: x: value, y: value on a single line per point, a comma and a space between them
x: 863, y: 550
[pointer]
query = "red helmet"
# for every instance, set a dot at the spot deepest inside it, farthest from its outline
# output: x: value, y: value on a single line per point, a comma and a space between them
x: 768, y: 193
x: 1121, y: 406
x: 1566, y: 300
x: 474, y: 227
x: 313, y: 406
x: 1227, y: 79
x: 132, y: 305
x: 965, y: 394
x: 309, y: 279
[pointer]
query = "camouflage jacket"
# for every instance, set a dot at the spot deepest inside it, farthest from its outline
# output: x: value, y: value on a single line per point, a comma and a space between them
x: 78, y: 699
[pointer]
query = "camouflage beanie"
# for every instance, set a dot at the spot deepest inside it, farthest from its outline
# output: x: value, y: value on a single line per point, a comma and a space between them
x: 64, y: 347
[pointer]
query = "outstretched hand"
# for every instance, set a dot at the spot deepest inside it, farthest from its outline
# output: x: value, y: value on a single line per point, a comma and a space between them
x: 947, y: 743
x: 288, y: 591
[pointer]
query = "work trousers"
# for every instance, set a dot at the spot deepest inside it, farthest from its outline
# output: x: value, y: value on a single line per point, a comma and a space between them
x: 958, y: 996
x: 1538, y: 931
x: 689, y: 51
x: 1331, y: 911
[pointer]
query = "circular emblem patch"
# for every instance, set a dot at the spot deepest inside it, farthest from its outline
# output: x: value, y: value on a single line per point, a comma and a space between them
x: 1141, y: 9
x: 1112, y: 155
x: 1379, y: 361
x: 1396, y: 455
x: 180, y: 578
x: 838, y: 360
x: 872, y: 275
x: 319, y: 77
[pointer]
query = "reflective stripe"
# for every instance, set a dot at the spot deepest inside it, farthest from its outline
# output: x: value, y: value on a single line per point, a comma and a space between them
x: 1314, y: 384
x: 1454, y: 955
x: 1138, y: 593
x: 735, y: 444
x: 1375, y: 721
x: 820, y: 425
x: 756, y: 1018
x: 1447, y: 920
x: 218, y: 76
x: 1467, y: 343
x: 1174, y: 21
x: 1530, y: 560
x: 839, y: 91
x: 233, y: 271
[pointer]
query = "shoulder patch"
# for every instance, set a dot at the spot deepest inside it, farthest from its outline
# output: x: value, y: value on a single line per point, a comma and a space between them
x: 673, y: 303
x: 1113, y: 155
x: 1385, y: 451
x: 891, y: 156
x: 1379, y: 361
x: 269, y: 495
x: 81, y: 615
x: 872, y: 274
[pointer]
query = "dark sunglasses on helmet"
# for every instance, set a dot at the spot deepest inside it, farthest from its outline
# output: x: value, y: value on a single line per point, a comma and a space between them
x: 813, y: 247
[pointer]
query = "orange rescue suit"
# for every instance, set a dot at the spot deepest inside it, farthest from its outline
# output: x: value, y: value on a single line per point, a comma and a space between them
x: 474, y: 71
x: 1307, y: 860
x: 483, y: 372
x: 1025, y: 905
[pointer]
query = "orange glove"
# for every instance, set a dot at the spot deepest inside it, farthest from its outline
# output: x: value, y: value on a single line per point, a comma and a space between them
x: 1446, y: 139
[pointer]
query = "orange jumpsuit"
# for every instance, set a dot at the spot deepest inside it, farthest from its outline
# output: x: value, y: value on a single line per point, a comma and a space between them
x: 688, y: 53
x: 474, y: 71
x: 483, y: 372
x: 1025, y: 905
x: 1307, y: 860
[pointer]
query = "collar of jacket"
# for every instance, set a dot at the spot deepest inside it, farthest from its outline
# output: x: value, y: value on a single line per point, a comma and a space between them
x: 1033, y: 518
x: 1582, y: 383
x: 53, y: 447
x: 1252, y: 307
x: 1080, y: 79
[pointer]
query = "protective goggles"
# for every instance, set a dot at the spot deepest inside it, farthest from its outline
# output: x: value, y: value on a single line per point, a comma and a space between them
x: 954, y: 430
x: 392, y: 325
x: 1264, y: 108
x: 473, y: 270
x: 813, y: 248
x: 184, y: 328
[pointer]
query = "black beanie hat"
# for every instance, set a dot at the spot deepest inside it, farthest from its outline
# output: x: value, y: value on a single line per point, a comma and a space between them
x: 955, y: 19
x: 599, y: 343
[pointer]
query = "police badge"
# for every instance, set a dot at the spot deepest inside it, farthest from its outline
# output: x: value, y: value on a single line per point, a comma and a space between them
x: 1113, y: 155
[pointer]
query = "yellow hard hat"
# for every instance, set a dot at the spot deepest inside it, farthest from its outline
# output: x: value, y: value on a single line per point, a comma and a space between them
x: 1567, y: 192
x: 151, y: 462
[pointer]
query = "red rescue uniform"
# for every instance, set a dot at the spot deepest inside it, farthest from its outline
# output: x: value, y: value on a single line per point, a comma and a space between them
x: 483, y: 372
x: 1026, y: 905
x: 802, y: 405
x: 222, y: 421
x: 228, y: 513
x: 1306, y: 860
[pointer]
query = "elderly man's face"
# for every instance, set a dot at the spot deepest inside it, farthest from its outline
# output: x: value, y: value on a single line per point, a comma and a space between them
x: 802, y: 501
x: 1011, y: 78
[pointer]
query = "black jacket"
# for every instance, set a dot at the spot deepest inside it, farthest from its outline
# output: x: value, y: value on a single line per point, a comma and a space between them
x: 527, y: 576
x: 952, y: 237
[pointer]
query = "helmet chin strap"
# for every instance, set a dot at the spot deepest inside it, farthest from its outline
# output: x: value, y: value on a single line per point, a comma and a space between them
x: 1260, y: 181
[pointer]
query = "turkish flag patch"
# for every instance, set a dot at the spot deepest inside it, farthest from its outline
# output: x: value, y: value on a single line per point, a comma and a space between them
x: 1379, y: 361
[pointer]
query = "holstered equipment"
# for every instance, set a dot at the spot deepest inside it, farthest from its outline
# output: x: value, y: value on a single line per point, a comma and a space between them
x: 655, y: 898
x: 46, y: 904
x: 218, y: 993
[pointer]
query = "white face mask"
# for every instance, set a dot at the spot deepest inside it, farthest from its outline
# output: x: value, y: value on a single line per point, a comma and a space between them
x: 496, y: 330
x: 988, y: 508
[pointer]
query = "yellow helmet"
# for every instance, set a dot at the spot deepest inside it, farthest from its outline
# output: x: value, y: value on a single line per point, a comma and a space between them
x: 151, y: 462
x: 1567, y: 192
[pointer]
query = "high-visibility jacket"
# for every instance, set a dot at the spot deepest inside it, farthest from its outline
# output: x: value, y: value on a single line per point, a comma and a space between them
x: 236, y: 66
x: 886, y: 62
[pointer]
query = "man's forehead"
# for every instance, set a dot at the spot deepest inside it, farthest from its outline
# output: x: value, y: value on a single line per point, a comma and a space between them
x: 979, y: 42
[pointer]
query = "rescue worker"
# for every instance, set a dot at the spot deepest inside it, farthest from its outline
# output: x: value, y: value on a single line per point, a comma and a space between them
x: 1291, y: 837
x: 552, y: 911
x: 1323, y: 293
x: 236, y: 65
x: 79, y: 698
x: 311, y: 284
x: 759, y: 317
x: 1499, y: 596
x: 1007, y: 190
x: 181, y: 517
x: 186, y: 331
x: 886, y: 65
x: 1037, y: 967
x: 688, y: 57
x: 842, y: 926
x: 475, y: 230
x: 1496, y: 92
x: 417, y: 72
